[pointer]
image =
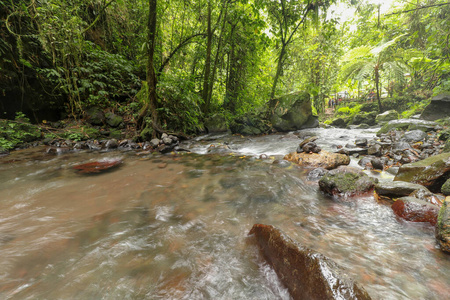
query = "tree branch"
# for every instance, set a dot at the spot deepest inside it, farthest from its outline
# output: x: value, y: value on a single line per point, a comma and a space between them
x: 98, y: 16
x: 422, y: 7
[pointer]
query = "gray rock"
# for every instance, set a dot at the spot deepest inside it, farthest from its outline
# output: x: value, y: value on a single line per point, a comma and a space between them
x: 95, y: 116
x: 361, y: 142
x: 112, y: 144
x: 154, y: 142
x: 397, y: 189
x: 374, y: 150
x: 387, y: 116
x: 443, y: 227
x: 113, y: 120
x: 407, y: 124
x: 438, y: 108
x: 415, y: 136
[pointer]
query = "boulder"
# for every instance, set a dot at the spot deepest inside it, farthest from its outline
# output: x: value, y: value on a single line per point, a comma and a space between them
x: 216, y: 123
x: 346, y: 181
x: 397, y: 189
x: 445, y: 189
x: 386, y: 117
x: 95, y: 116
x: 249, y: 125
x: 364, y: 118
x: 339, y: 122
x: 407, y: 124
x: 306, y: 274
x: 113, y: 120
x: 323, y: 159
x: 415, y: 210
x: 292, y: 112
x: 431, y: 172
x: 438, y: 108
x: 415, y: 136
x: 443, y: 227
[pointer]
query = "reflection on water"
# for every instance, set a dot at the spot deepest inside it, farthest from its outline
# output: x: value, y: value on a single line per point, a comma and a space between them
x: 179, y: 231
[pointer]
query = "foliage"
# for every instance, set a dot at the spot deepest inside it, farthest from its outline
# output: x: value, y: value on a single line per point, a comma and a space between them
x: 17, y: 132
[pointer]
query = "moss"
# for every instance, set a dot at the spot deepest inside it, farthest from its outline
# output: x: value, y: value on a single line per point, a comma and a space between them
x: 445, y: 189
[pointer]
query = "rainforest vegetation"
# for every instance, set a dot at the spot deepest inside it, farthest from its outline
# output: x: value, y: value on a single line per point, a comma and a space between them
x: 169, y: 65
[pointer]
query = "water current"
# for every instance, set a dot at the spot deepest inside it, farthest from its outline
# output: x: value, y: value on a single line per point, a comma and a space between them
x: 175, y: 226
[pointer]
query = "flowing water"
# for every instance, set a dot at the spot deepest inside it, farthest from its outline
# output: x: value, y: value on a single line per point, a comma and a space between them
x: 175, y: 226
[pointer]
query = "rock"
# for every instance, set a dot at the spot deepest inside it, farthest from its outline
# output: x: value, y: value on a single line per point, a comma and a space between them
x: 307, y: 140
x: 438, y: 108
x: 431, y: 172
x: 167, y: 140
x: 219, y: 149
x: 323, y: 159
x: 397, y: 189
x: 146, y: 133
x: 95, y: 116
x: 311, y: 147
x: 407, y: 124
x: 364, y: 118
x: 216, y: 123
x: 154, y: 142
x: 112, y: 144
x: 446, y: 148
x: 415, y: 210
x: 316, y: 174
x: 292, y: 112
x: 97, y: 166
x: 346, y: 181
x: 415, y: 136
x: 377, y: 163
x: 361, y: 142
x: 113, y: 120
x: 445, y: 189
x: 306, y: 273
x: 393, y: 170
x: 374, y: 149
x: 427, y: 196
x: 251, y: 124
x: 339, y: 122
x: 386, y: 117
x: 443, y: 227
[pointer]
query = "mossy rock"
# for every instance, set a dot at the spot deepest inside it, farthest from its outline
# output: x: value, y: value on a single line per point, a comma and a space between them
x: 216, y: 123
x: 146, y: 134
x: 364, y: 118
x: 291, y: 111
x: 407, y: 124
x: 115, y: 134
x: 346, y: 181
x: 445, y: 189
x: 387, y: 116
x: 113, y: 120
x: 443, y: 227
x: 95, y: 116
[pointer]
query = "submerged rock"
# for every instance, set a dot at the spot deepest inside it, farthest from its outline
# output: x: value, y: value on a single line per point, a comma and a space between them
x: 97, y: 166
x: 307, y: 274
x: 431, y: 172
x: 415, y: 210
x: 323, y: 159
x: 346, y: 181
x: 443, y: 227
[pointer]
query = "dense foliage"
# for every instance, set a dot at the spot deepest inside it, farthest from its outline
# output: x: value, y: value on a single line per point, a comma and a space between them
x: 207, y: 57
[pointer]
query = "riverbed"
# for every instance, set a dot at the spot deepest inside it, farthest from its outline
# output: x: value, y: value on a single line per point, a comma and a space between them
x: 175, y: 226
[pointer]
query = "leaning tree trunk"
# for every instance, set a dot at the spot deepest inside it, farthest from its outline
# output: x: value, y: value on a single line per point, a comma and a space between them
x: 272, y: 103
x: 377, y: 83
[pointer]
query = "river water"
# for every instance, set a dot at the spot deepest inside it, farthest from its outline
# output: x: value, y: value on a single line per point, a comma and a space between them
x: 175, y: 226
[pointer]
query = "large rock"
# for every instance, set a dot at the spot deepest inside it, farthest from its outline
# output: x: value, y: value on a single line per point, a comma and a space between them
x: 95, y: 116
x: 431, y: 172
x: 323, y: 159
x: 346, y: 181
x: 443, y: 227
x: 292, y: 112
x: 250, y: 125
x: 306, y: 273
x: 438, y: 108
x: 113, y: 120
x: 386, y: 117
x: 364, y: 118
x: 415, y: 210
x: 407, y: 124
x: 397, y: 189
x: 216, y: 123
x: 445, y: 189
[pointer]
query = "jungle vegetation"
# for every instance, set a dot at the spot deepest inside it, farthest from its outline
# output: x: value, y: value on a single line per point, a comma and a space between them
x: 170, y: 64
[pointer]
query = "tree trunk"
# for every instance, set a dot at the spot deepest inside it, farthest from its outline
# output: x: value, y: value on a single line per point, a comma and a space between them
x: 206, y: 79
x: 377, y: 82
x: 277, y: 76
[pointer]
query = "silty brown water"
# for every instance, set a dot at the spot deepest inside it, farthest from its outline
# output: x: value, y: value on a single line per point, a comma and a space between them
x: 175, y: 227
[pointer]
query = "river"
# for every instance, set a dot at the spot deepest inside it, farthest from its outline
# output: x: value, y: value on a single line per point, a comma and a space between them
x: 175, y: 226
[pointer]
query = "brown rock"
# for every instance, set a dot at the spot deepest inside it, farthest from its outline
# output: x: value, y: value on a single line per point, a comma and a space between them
x: 323, y: 159
x: 415, y: 210
x: 306, y: 273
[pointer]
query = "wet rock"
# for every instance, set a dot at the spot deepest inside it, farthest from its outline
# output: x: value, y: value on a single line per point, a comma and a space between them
x: 415, y: 136
x: 361, y: 142
x: 415, y: 210
x: 407, y: 124
x: 393, y: 170
x: 377, y: 163
x: 386, y: 117
x: 445, y: 189
x: 316, y: 174
x: 154, y: 142
x: 308, y: 140
x: 306, y: 273
x: 443, y: 227
x: 97, y: 166
x: 431, y: 172
x: 438, y: 108
x: 57, y: 150
x: 218, y: 149
x: 346, y: 181
x: 427, y: 196
x: 339, y: 122
x: 311, y: 147
x: 216, y: 123
x: 374, y: 149
x: 364, y: 118
x: 397, y: 189
x: 323, y: 159
x: 112, y: 144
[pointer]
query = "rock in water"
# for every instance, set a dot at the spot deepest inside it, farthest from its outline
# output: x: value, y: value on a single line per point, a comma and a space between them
x: 307, y: 274
x: 323, y: 159
x: 97, y: 166
x: 415, y: 210
x: 346, y: 181
x: 443, y: 227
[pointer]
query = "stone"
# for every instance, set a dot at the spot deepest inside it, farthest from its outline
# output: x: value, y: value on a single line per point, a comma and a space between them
x: 311, y: 147
x: 415, y: 136
x: 415, y: 210
x: 306, y: 274
x: 377, y: 163
x: 308, y: 140
x: 97, y: 166
x: 374, y: 149
x: 427, y: 196
x: 292, y: 112
x: 361, y: 142
x: 407, y: 124
x: 438, y: 108
x: 431, y: 172
x: 386, y: 117
x: 323, y: 159
x: 445, y: 189
x: 443, y: 227
x: 216, y: 123
x: 146, y: 133
x: 339, y: 122
x: 113, y: 120
x: 95, y: 116
x: 316, y: 174
x: 364, y: 118
x: 346, y: 181
x: 112, y: 144
x: 397, y: 189
x: 154, y: 142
